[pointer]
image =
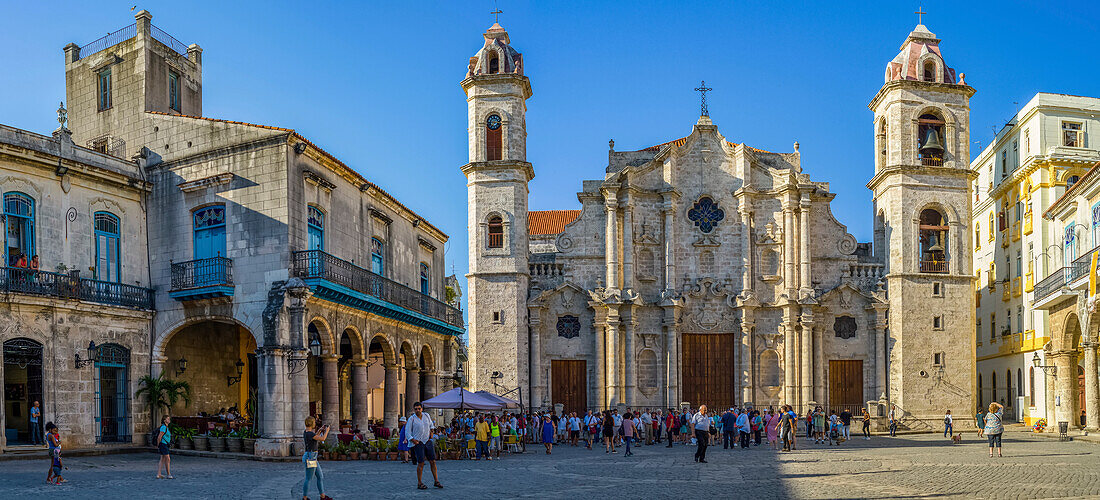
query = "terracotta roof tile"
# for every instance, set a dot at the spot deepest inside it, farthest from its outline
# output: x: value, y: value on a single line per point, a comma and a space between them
x: 550, y: 221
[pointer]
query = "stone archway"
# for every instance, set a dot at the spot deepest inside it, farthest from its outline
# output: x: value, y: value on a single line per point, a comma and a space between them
x: 211, y: 352
x: 383, y: 398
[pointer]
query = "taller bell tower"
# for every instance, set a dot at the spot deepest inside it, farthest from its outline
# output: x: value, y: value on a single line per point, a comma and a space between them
x: 922, y: 209
x: 497, y: 177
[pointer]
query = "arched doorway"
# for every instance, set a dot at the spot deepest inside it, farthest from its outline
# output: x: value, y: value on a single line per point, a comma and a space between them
x: 112, y: 394
x: 220, y: 368
x: 22, y: 387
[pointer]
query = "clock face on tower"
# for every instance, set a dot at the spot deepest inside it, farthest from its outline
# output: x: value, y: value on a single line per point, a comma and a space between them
x: 493, y: 122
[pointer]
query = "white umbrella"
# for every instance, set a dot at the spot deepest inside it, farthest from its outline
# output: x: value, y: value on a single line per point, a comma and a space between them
x: 461, y: 399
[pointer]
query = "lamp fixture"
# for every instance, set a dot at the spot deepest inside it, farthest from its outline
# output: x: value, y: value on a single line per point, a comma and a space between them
x: 181, y: 366
x: 81, y: 363
x: 240, y: 369
x: 61, y: 169
x: 1036, y: 361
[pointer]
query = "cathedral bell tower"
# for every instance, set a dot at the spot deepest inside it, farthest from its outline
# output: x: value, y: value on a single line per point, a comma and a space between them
x: 497, y: 177
x: 922, y: 209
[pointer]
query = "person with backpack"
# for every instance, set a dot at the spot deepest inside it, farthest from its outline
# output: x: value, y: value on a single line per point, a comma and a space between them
x: 785, y: 426
x: 845, y: 423
x: 866, y: 424
x: 948, y: 424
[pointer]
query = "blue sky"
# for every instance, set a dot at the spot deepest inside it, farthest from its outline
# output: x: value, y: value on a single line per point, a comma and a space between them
x: 377, y: 83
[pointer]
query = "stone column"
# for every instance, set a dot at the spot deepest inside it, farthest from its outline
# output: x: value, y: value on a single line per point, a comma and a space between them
x: 668, y: 208
x: 611, y: 245
x: 789, y: 277
x: 1064, y: 385
x: 299, y: 387
x: 789, y: 379
x: 628, y: 358
x: 628, y: 247
x: 359, y: 394
x: 804, y: 282
x: 673, y: 358
x: 879, y: 344
x: 330, y: 390
x: 534, y: 320
x: 1092, y: 405
x: 391, y: 400
x: 819, y: 363
x: 599, y: 340
x: 806, y: 370
x: 747, y: 277
x: 412, y: 387
x: 614, y: 394
x: 747, y: 355
x: 430, y: 381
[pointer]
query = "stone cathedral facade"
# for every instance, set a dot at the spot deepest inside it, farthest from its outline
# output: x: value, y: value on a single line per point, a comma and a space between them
x: 706, y: 271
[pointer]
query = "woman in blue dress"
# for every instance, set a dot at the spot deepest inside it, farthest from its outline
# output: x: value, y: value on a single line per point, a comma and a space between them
x: 403, y: 441
x: 547, y: 433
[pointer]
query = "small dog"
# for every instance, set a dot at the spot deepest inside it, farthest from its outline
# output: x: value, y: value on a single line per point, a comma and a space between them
x: 957, y: 438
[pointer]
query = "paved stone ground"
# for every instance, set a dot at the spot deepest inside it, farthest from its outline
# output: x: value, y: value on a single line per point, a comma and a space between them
x: 917, y: 466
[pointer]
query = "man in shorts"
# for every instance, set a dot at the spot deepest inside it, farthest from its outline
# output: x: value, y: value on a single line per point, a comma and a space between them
x: 574, y: 428
x: 419, y: 433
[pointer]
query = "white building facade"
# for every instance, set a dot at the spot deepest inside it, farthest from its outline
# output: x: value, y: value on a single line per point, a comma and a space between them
x: 1040, y: 152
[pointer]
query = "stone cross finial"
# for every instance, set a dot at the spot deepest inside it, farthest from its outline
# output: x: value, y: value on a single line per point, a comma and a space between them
x: 703, y: 89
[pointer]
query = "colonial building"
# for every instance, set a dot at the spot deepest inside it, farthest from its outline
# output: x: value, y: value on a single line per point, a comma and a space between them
x: 1032, y: 161
x: 286, y: 283
x: 1066, y: 365
x: 703, y: 270
x: 81, y: 214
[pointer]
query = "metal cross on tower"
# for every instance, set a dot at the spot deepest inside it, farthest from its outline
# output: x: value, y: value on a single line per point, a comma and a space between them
x: 920, y: 14
x: 702, y: 89
x: 496, y: 15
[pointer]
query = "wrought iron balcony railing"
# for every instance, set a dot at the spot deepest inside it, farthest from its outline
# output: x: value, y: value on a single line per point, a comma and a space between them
x: 933, y: 266
x: 1051, y: 283
x: 931, y: 161
x: 212, y: 271
x: 318, y: 264
x: 66, y: 286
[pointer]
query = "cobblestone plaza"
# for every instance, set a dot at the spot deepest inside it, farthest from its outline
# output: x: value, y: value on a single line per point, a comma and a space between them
x: 915, y: 466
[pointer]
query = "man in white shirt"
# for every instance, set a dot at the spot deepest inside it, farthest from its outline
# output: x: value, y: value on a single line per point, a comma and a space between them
x: 647, y: 427
x: 701, y: 423
x: 419, y: 432
x: 618, y: 421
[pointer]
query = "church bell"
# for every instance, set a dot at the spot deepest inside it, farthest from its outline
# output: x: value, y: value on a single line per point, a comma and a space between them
x: 932, y: 143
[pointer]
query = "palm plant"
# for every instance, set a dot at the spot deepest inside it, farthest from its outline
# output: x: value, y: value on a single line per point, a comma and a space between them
x: 163, y: 393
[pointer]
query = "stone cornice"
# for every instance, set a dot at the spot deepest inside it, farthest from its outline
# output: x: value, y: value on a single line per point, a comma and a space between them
x: 479, y: 166
x: 890, y: 86
x: 919, y: 170
x: 522, y: 81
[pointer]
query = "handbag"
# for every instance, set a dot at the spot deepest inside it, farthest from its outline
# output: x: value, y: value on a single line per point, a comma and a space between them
x: 311, y: 464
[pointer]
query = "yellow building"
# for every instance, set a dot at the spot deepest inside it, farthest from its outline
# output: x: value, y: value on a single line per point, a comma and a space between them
x: 1043, y: 149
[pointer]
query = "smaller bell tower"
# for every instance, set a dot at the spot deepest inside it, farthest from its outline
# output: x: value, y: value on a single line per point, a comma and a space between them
x: 922, y: 212
x: 497, y: 177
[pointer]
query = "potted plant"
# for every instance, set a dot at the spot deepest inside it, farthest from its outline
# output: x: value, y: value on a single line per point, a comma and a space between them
x: 184, y: 437
x: 323, y: 450
x: 160, y: 395
x: 201, y: 442
x: 217, y: 439
x: 353, y: 450
x: 233, y: 441
x: 248, y: 440
x: 391, y: 450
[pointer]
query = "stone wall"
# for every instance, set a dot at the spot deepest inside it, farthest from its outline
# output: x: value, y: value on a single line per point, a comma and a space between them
x: 64, y: 328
